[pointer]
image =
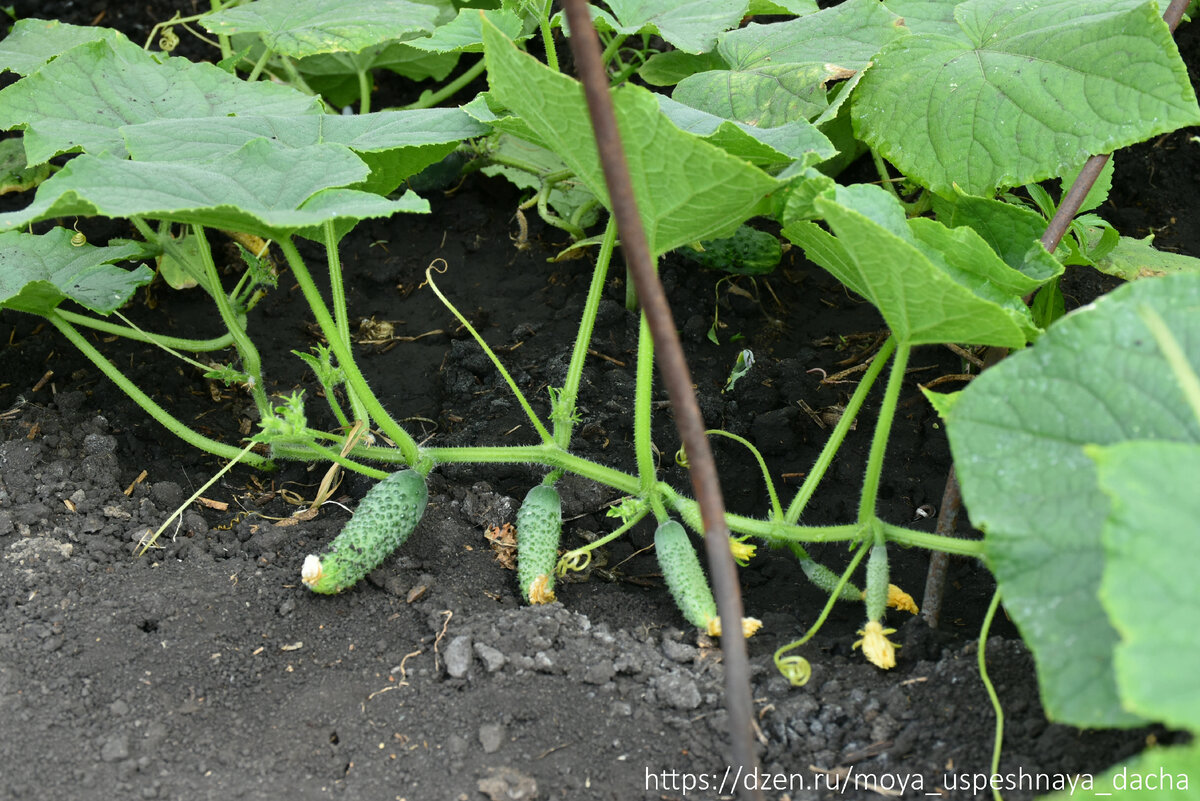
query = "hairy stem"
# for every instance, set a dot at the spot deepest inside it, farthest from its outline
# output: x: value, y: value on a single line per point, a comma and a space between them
x: 160, y: 414
x: 354, y: 377
x: 829, y: 451
x: 564, y: 422
x: 883, y: 427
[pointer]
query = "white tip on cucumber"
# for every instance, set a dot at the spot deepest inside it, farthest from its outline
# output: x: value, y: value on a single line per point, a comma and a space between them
x: 310, y: 573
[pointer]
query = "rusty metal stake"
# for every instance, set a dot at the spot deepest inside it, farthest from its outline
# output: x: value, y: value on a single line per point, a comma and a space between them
x: 586, y: 48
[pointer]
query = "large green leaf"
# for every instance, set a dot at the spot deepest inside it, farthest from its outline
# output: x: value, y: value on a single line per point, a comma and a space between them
x: 780, y: 73
x: 930, y: 283
x: 81, y: 99
x: 301, y: 28
x: 686, y: 189
x: 39, y: 272
x: 690, y: 25
x: 33, y: 42
x: 1149, y: 585
x: 1023, y: 91
x: 1018, y: 435
x: 263, y: 188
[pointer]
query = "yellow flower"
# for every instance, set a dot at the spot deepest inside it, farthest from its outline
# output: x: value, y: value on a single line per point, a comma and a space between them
x: 742, y: 551
x: 750, y: 626
x: 876, y: 646
x: 899, y: 599
x: 540, y: 592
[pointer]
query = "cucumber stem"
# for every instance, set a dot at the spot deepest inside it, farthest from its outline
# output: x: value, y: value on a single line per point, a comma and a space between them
x: 341, y: 313
x: 643, y: 389
x: 829, y: 451
x: 508, y: 379
x: 138, y: 335
x: 354, y: 377
x: 564, y: 421
x: 160, y: 414
x: 883, y: 427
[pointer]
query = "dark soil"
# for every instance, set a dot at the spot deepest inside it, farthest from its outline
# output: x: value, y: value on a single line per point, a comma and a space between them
x: 204, y: 669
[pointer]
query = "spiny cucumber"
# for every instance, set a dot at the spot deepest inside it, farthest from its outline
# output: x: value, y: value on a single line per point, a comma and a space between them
x: 539, y: 526
x: 685, y: 579
x: 386, y: 517
x: 748, y: 252
x: 876, y: 593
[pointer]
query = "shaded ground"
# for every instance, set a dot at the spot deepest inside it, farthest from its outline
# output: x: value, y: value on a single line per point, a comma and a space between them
x: 205, y: 671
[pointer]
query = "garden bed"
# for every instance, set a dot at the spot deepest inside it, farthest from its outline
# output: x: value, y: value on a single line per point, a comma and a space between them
x: 205, y: 670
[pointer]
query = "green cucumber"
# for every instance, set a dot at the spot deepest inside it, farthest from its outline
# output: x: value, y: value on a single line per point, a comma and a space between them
x: 386, y: 517
x: 539, y: 527
x: 876, y: 593
x: 748, y: 252
x: 685, y: 578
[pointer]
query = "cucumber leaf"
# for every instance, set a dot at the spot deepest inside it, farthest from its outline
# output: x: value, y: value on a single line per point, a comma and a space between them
x: 1138, y: 258
x: 264, y: 188
x: 780, y: 73
x: 299, y: 28
x: 38, y: 272
x: 15, y: 174
x: 672, y: 66
x: 926, y: 16
x: 378, y: 132
x: 1168, y: 774
x: 33, y: 42
x: 1150, y: 568
x: 1012, y: 231
x: 81, y: 99
x: 690, y: 25
x: 464, y: 34
x: 1019, y: 434
x: 930, y: 283
x: 798, y: 141
x: 686, y: 189
x: 335, y: 75
x: 1021, y: 92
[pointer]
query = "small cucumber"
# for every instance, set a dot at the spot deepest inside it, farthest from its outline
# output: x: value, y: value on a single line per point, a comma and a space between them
x: 685, y: 578
x: 386, y: 517
x: 876, y: 594
x: 539, y: 526
x: 748, y: 252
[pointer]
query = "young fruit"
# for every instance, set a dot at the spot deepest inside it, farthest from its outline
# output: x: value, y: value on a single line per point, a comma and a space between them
x: 385, y: 518
x: 539, y: 526
x: 685, y: 578
x: 748, y: 252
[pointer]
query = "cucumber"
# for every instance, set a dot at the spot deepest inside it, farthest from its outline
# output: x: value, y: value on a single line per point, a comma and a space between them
x: 686, y: 581
x: 386, y: 517
x: 748, y: 252
x: 876, y: 594
x: 539, y: 526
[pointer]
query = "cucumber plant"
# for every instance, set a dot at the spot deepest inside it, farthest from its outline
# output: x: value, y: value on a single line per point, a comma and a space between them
x: 970, y: 102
